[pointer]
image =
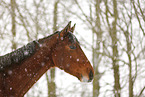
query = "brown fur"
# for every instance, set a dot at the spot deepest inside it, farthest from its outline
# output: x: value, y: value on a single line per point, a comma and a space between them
x: 54, y: 51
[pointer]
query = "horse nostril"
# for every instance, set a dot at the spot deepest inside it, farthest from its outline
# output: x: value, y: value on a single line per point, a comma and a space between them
x: 91, y: 75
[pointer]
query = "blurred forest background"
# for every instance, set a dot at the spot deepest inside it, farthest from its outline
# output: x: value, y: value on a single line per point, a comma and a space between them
x: 111, y: 33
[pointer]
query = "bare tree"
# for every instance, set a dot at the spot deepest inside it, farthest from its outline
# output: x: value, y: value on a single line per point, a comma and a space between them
x: 139, y: 13
x: 96, y: 47
x: 51, y: 83
x: 113, y: 34
x: 117, y: 40
x: 13, y: 29
x: 93, y: 21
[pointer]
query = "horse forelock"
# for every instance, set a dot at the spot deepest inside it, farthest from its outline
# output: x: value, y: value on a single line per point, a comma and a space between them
x: 72, y: 37
x: 17, y: 55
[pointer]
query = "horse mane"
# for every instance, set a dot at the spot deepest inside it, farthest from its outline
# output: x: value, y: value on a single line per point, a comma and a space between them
x: 24, y: 52
x: 17, y: 55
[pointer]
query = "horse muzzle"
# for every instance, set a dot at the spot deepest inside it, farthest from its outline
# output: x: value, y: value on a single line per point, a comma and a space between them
x: 88, y: 78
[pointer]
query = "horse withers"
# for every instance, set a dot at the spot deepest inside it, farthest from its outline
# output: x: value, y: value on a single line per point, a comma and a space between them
x: 20, y: 69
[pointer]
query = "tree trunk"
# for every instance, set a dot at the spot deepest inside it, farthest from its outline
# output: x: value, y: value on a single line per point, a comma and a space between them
x: 13, y: 28
x: 113, y: 34
x: 128, y: 42
x: 96, y: 56
x: 52, y: 85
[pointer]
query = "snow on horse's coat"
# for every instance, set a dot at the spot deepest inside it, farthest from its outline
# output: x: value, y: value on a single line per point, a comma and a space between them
x: 20, y: 69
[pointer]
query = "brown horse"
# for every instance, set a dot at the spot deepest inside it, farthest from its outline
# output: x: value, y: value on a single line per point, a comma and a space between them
x: 20, y: 69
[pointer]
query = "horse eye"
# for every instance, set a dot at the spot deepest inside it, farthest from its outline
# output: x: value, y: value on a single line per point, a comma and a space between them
x: 72, y: 47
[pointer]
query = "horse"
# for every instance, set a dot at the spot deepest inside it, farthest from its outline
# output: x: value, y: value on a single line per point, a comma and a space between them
x: 20, y: 69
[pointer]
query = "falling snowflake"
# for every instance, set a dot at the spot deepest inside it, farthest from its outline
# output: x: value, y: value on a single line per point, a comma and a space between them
x: 25, y: 69
x: 40, y: 45
x: 61, y: 38
x: 10, y: 72
x: 26, y: 53
x: 78, y: 60
x: 42, y: 63
x: 10, y: 88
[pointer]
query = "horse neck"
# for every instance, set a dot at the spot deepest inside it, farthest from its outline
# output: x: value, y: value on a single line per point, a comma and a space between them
x: 19, y: 79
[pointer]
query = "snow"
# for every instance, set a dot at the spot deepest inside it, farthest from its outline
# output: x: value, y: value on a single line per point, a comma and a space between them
x: 26, y: 53
x: 61, y: 83
x: 42, y: 63
x: 61, y: 38
x: 11, y: 88
x: 40, y: 45
x: 70, y: 57
x: 10, y: 72
x: 78, y: 60
x: 25, y: 69
x: 18, y: 55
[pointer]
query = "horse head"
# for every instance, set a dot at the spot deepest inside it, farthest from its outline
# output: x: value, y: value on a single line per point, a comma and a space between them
x: 68, y: 56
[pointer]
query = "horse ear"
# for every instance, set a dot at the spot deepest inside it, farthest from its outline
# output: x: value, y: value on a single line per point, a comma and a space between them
x: 73, y: 28
x: 66, y: 30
